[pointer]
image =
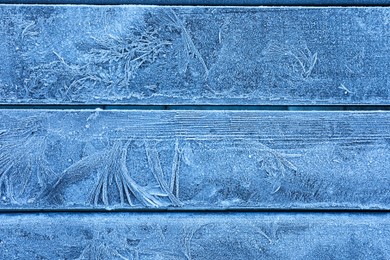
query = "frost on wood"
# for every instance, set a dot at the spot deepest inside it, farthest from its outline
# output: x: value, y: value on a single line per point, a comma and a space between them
x: 24, y: 167
x: 109, y: 65
x: 193, y: 55
x: 193, y: 159
x: 289, y: 65
x: 114, y: 179
x: 196, y: 236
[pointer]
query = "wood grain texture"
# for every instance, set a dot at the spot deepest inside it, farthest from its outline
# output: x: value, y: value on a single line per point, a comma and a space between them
x: 195, y: 236
x: 204, y: 2
x: 194, y: 159
x: 194, y: 55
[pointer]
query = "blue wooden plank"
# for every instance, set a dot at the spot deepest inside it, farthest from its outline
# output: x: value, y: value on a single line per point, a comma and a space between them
x: 206, y: 2
x: 194, y: 55
x: 194, y: 160
x: 195, y: 236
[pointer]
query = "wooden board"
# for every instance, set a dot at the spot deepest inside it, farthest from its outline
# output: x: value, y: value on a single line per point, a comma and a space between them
x: 205, y: 2
x: 194, y: 55
x: 195, y: 236
x: 193, y: 184
x: 194, y: 159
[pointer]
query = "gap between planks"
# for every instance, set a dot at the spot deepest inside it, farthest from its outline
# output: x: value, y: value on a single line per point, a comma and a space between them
x: 204, y: 107
x: 214, y: 3
x: 197, y: 211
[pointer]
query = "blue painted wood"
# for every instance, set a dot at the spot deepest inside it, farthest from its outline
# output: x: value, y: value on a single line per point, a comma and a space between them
x: 205, y: 2
x: 193, y: 55
x: 195, y: 236
x: 194, y: 160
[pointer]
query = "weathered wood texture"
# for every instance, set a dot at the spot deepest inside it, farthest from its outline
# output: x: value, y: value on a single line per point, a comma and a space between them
x: 194, y: 159
x: 195, y: 236
x: 205, y: 2
x: 194, y: 55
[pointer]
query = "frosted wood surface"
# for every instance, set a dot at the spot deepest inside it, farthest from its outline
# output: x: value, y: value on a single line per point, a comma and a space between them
x: 204, y: 2
x: 194, y: 55
x: 195, y: 236
x: 194, y: 159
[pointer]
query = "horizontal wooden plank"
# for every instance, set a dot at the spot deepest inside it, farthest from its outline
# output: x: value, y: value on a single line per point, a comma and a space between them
x: 195, y: 236
x: 194, y: 159
x: 205, y: 2
x: 194, y: 55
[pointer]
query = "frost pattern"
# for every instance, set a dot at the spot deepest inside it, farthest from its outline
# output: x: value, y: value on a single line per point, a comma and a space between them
x: 290, y: 63
x: 275, y: 164
x: 22, y: 159
x: 171, y: 19
x: 109, y: 65
x: 111, y: 167
x: 127, y: 172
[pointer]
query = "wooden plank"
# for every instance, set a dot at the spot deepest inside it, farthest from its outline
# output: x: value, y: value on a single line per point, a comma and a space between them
x: 194, y: 159
x: 194, y: 55
x: 205, y: 2
x: 195, y: 236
